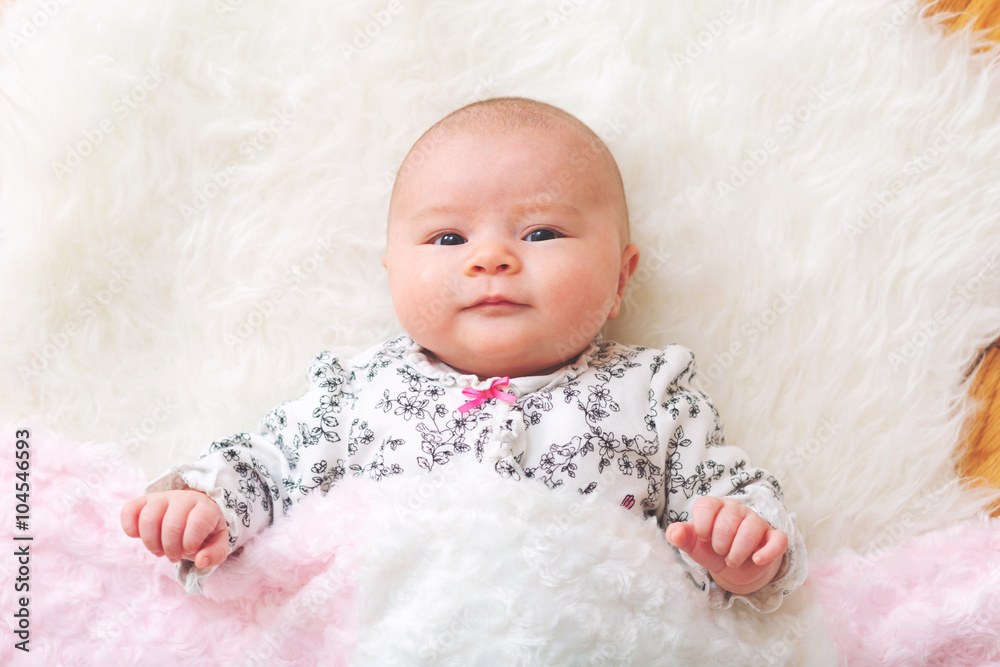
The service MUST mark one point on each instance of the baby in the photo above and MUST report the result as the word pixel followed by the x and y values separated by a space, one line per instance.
pixel 508 249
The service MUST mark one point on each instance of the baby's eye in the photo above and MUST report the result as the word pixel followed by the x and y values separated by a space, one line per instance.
pixel 542 235
pixel 449 239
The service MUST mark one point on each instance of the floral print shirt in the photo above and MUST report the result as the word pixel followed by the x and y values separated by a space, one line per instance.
pixel 621 421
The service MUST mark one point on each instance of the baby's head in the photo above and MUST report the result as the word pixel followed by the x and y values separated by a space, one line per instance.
pixel 508 243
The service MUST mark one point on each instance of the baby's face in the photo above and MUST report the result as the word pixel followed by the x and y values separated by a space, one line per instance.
pixel 505 255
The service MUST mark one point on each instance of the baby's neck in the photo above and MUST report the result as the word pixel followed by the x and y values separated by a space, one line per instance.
pixel 489 376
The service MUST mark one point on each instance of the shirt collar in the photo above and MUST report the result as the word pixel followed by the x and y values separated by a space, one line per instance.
pixel 431 367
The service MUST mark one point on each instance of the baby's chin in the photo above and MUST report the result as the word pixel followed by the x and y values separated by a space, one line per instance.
pixel 517 363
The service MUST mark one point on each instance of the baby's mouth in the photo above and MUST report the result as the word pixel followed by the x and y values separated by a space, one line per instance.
pixel 495 303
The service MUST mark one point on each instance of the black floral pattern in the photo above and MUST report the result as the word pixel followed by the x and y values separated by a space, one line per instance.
pixel 627 424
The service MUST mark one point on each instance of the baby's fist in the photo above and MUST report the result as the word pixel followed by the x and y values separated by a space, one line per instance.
pixel 178 524
pixel 740 549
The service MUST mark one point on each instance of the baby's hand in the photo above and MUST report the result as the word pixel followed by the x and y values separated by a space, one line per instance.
pixel 178 524
pixel 740 550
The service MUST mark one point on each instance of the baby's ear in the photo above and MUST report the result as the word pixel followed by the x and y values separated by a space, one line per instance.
pixel 630 260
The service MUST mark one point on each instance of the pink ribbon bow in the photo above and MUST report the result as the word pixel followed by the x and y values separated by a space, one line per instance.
pixel 479 396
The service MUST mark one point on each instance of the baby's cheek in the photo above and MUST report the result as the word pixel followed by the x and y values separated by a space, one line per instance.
pixel 405 287
pixel 410 312
pixel 582 313
pixel 595 297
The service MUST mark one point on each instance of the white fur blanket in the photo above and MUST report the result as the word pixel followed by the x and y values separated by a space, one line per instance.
pixel 192 204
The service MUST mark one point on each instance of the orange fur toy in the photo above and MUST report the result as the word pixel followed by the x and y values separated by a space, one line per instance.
pixel 981 455
pixel 985 14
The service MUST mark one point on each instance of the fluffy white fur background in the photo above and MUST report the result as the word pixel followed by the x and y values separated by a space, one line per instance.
pixel 193 200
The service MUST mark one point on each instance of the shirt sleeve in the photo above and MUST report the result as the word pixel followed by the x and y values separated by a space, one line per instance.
pixel 301 447
pixel 699 463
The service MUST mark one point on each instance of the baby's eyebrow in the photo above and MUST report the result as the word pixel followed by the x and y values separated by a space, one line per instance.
pixel 547 206
pixel 518 210
pixel 431 211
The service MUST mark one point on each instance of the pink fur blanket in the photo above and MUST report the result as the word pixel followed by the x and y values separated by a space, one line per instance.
pixel 400 574
pixel 933 599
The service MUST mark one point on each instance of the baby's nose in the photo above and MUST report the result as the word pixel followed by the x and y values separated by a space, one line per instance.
pixel 492 258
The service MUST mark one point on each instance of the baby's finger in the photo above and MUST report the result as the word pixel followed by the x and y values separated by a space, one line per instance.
pixel 703 514
pixel 682 536
pixel 202 522
pixel 775 546
pixel 172 530
pixel 748 539
pixel 214 551
pixel 728 523
pixel 130 516
pixel 150 522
